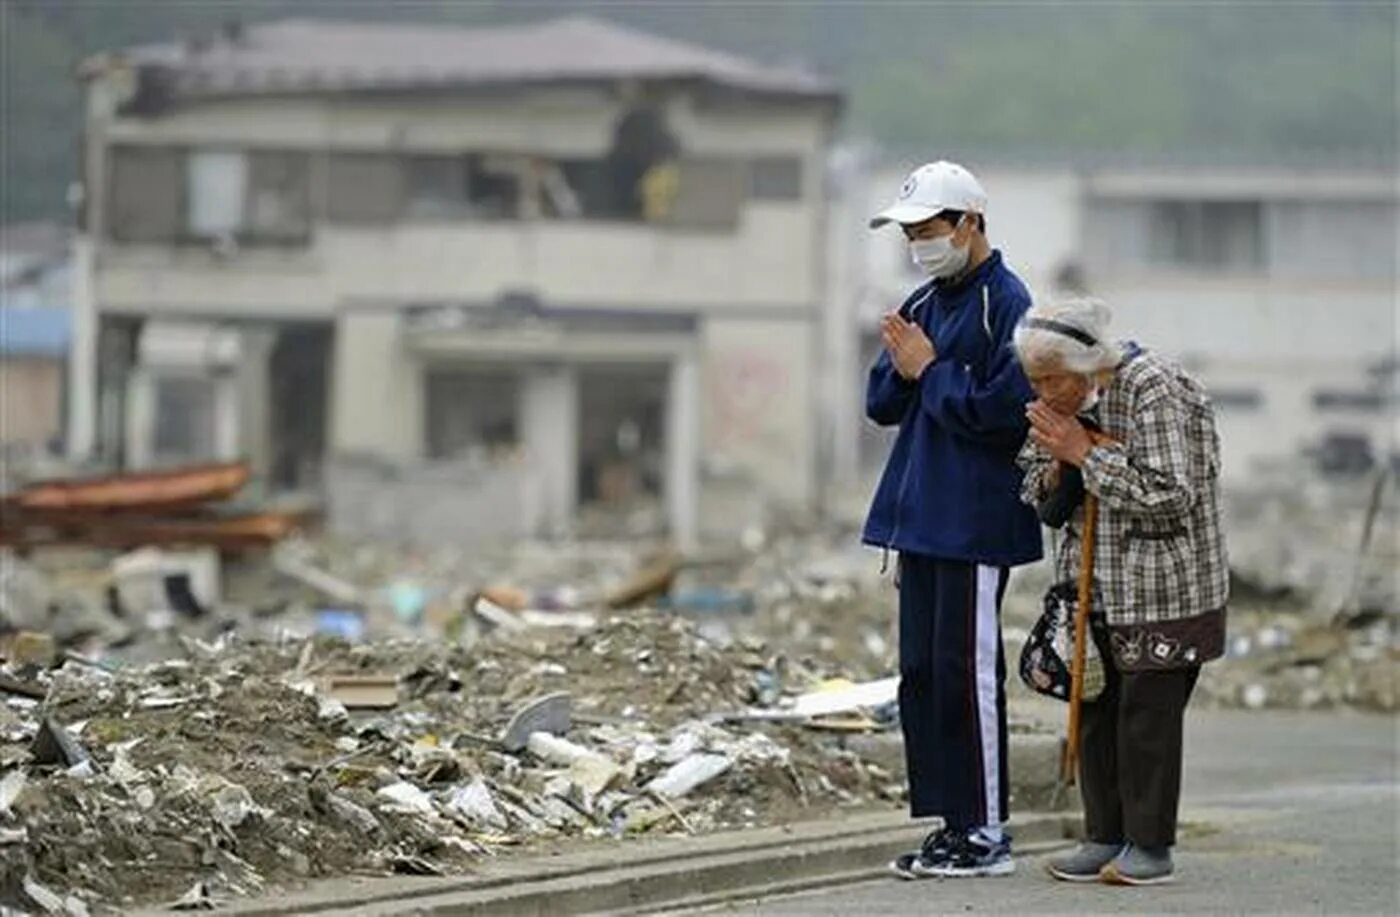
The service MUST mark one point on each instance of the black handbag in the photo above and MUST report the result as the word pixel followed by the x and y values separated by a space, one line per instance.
pixel 1045 658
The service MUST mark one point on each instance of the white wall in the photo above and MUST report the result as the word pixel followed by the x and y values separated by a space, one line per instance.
pixel 765 263
pixel 758 392
pixel 377 389
pixel 1319 311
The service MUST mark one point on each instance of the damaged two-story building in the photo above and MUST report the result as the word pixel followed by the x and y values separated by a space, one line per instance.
pixel 468 281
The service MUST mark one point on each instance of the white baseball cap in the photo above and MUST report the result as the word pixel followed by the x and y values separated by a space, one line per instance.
pixel 931 189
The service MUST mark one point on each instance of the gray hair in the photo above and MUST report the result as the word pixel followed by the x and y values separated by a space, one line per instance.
pixel 1069 333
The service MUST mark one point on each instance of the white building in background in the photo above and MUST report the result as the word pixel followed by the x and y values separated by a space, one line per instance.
pixel 590 260
pixel 1276 285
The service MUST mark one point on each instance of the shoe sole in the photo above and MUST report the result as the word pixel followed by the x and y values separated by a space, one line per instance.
pixel 1110 875
pixel 1072 877
pixel 975 872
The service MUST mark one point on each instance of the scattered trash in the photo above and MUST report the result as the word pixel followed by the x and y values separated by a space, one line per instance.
pixel 151 580
pixel 290 559
pixel 364 692
pixel 550 714
pixel 55 745
pixel 508 598
pixel 197 898
pixel 572 620
pixel 405 797
pixel 346 623
pixel 414 866
pixel 331 710
pixel 45 900
pixel 357 817
pixel 691 772
pixel 652 581
pixel 27 648
pixel 11 786
pixel 842 696
pixel 139 510
pixel 408 601
pixel 27 689
pixel 710 600
pixel 474 803
pixel 233 805
pixel 497 616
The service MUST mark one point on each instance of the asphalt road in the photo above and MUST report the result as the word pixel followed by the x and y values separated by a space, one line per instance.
pixel 1284 813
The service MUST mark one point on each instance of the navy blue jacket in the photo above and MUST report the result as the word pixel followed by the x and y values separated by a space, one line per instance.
pixel 951 488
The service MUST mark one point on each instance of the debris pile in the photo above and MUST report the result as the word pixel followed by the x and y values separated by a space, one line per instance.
pixel 138 509
pixel 1295 662
pixel 183 723
pixel 249 764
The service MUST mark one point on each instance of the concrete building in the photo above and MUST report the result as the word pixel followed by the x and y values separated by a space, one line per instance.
pixel 1276 284
pixel 483 277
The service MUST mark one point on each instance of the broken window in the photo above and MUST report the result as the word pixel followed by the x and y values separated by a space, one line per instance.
pixel 709 194
pixel 437 186
pixel 364 188
pixel 494 186
pixel 775 178
pixel 279 195
pixel 479 186
pixel 472 412
pixel 556 194
pixel 249 196
pixel 184 417
pixel 144 190
pixel 592 184
pixel 622 447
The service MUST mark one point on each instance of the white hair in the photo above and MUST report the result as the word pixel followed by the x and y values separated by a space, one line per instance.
pixel 1067 332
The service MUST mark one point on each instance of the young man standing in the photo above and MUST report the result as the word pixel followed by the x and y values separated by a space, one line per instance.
pixel 948 504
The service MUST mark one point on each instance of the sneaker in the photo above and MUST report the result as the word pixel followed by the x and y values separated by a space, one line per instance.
pixel 1084 863
pixel 1139 866
pixel 973 854
pixel 917 864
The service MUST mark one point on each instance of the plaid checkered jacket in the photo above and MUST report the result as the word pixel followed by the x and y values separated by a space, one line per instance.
pixel 1161 577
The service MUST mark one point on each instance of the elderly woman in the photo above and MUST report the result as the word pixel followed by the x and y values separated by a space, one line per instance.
pixel 1139 434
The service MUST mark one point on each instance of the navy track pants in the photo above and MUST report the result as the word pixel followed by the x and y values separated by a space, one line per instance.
pixel 952 689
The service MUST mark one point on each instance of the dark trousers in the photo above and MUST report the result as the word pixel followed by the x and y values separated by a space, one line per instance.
pixel 952 689
pixel 1130 754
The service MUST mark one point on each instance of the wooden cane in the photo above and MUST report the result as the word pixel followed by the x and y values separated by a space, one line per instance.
pixel 1081 628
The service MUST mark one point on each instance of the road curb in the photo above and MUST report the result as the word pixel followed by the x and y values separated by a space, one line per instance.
pixel 645 875
pixel 1024 852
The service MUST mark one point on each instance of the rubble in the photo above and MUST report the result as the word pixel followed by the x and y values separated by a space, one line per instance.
pixel 689 773
pixel 1284 660
pixel 340 708
pixel 56 745
pixel 552 714
pixel 223 766
pixel 361 692
pixel 177 506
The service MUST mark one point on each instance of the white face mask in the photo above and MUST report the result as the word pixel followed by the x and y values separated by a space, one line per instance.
pixel 938 257
pixel 1091 400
